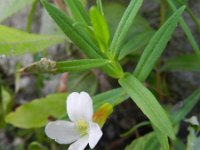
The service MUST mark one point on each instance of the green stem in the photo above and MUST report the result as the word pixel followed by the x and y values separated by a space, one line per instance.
pixel 1 98
pixel 162 12
pixel 30 16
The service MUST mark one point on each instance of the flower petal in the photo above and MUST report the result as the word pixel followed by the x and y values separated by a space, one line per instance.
pixel 79 106
pixel 95 134
pixel 63 132
pixel 80 144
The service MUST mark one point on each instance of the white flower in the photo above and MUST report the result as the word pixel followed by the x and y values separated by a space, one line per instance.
pixel 81 130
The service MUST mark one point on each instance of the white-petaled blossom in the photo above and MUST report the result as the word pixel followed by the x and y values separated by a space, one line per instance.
pixel 81 130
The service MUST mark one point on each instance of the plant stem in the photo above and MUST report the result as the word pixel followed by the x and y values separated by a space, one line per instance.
pixel 30 16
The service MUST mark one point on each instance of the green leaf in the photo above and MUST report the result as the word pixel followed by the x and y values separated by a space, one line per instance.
pixel 113 97
pixel 186 28
pixel 146 101
pixel 16 42
pixel 77 35
pixel 138 42
pixel 84 81
pixel 156 46
pixel 36 146
pixel 35 114
pixel 79 65
pixel 162 138
pixel 6 100
pixel 134 128
pixel 100 7
pixel 186 107
pixel 182 63
pixel 9 7
pixel 146 142
pixel 100 27
pixel 78 11
pixel 124 26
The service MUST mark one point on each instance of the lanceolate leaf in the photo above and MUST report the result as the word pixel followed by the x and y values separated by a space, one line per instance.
pixel 79 37
pixel 146 101
pixel 185 107
pixel 124 26
pixel 78 11
pixel 79 65
pixel 183 63
pixel 16 42
pixel 162 138
pixel 100 28
pixel 113 97
pixel 156 46
pixel 138 42
pixel 145 142
pixel 185 28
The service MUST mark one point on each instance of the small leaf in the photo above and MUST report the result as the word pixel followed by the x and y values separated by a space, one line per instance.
pixel 100 7
pixel 36 113
pixel 36 146
pixel 162 138
pixel 124 26
pixel 100 27
pixel 78 11
pixel 185 27
pixel 84 81
pixel 146 101
pixel 145 142
pixel 16 42
pixel 113 97
pixel 186 107
pixel 138 42
pixel 156 46
pixel 182 63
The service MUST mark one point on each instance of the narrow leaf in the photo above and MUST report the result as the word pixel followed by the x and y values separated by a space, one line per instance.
pixel 145 142
pixel 162 138
pixel 79 37
pixel 80 65
pixel 182 63
pixel 16 42
pixel 113 97
pixel 146 101
pixel 186 29
pixel 100 28
pixel 156 46
pixel 138 42
pixel 78 11
pixel 186 107
pixel 100 7
pixel 124 25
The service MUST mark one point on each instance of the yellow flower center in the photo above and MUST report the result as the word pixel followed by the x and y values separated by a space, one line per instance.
pixel 82 126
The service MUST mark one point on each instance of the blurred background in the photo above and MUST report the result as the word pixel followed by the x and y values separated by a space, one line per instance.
pixel 170 87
